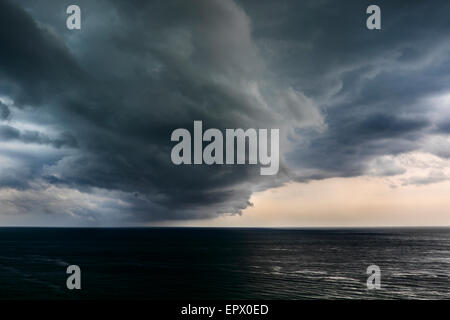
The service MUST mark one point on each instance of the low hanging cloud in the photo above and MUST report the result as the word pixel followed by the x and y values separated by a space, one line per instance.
pixel 87 114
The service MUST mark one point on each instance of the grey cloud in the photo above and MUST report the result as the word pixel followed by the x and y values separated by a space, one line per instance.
pixel 384 167
pixel 434 176
pixel 32 59
pixel 443 126
pixel 8 133
pixel 4 111
pixel 342 95
pixel 121 113
pixel 369 84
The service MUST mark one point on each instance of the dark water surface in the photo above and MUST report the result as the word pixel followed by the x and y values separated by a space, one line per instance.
pixel 190 263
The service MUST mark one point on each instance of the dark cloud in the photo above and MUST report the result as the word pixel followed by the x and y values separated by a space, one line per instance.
pixel 4 111
pixel 8 133
pixel 34 61
pixel 122 98
pixel 115 90
pixel 443 126
pixel 370 84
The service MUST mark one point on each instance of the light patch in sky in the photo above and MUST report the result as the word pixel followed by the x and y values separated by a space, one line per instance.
pixel 341 202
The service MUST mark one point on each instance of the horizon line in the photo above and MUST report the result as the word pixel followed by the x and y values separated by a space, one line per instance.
pixel 228 227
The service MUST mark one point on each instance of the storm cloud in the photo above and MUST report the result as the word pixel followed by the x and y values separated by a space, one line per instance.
pixel 86 115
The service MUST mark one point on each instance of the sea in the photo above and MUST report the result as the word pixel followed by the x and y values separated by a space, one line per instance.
pixel 224 263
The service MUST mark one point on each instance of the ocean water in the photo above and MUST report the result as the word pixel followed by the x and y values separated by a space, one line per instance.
pixel 191 263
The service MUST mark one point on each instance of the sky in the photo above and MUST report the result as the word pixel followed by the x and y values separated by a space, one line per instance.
pixel 86 115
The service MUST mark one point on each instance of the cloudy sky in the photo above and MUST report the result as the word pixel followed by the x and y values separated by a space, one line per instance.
pixel 86 115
